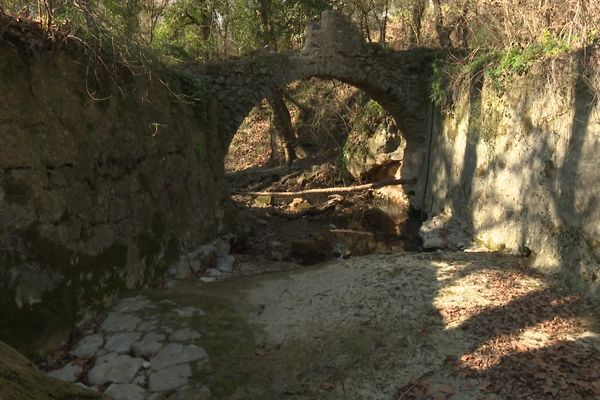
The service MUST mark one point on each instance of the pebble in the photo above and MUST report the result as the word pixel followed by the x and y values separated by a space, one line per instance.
pixel 207 279
pixel 68 373
pixel 117 322
pixel 176 353
pixel 170 378
pixel 88 346
pixel 121 342
pixel 117 368
pixel 118 391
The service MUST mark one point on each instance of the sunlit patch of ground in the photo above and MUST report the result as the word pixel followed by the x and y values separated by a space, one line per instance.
pixel 251 145
pixel 531 339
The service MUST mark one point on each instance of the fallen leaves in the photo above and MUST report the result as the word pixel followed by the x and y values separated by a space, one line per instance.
pixel 523 349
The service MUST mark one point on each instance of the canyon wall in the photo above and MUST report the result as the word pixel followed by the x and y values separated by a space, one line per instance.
pixel 516 163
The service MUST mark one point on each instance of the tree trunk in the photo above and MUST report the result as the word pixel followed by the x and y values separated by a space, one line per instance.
pixel 418 9
pixel 443 32
pixel 383 28
pixel 283 139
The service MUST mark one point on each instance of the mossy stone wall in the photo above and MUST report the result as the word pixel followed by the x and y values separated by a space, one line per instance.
pixel 100 190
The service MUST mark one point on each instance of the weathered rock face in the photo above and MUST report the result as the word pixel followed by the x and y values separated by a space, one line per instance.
pixel 521 169
pixel 95 195
pixel 380 157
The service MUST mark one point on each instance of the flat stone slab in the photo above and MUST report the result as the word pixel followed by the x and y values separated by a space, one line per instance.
pixel 170 378
pixel 133 304
pixel 176 353
pixel 149 345
pixel 117 322
pixel 184 335
pixel 125 391
pixel 121 342
pixel 68 373
pixel 117 368
pixel 88 346
pixel 189 311
pixel 148 325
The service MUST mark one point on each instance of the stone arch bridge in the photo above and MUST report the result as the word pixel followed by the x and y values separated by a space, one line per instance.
pixel 334 49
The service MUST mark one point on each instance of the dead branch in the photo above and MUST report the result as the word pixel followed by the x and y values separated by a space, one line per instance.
pixel 345 189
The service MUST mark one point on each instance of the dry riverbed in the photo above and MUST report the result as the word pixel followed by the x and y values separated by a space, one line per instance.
pixel 413 326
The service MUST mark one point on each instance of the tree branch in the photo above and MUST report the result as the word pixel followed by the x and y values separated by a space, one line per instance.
pixel 345 189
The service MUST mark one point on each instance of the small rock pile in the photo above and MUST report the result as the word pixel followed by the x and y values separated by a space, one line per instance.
pixel 211 261
pixel 143 350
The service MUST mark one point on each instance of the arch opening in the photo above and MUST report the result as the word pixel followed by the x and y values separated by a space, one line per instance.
pixel 344 137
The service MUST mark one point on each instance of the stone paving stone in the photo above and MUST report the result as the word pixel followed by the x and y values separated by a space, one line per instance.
pixel 117 368
pixel 68 373
pixel 176 353
pixel 117 322
pixel 149 345
pixel 88 346
pixel 121 342
pixel 133 304
pixel 184 335
pixel 170 378
pixel 120 391
pixel 148 325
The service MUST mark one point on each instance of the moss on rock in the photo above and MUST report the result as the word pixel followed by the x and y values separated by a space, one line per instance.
pixel 21 380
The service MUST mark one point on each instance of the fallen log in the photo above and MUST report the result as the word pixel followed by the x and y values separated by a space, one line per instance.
pixel 331 190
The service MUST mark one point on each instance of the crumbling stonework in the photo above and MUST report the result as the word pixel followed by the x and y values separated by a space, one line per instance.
pixel 334 34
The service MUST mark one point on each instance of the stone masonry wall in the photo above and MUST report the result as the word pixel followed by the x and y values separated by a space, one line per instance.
pixel 519 166
pixel 102 184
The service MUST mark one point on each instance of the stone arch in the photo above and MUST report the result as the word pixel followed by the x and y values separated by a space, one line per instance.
pixel 398 80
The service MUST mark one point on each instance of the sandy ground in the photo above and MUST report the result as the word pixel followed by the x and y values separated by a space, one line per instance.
pixel 414 326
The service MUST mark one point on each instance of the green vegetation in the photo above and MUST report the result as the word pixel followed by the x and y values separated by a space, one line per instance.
pixel 497 65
